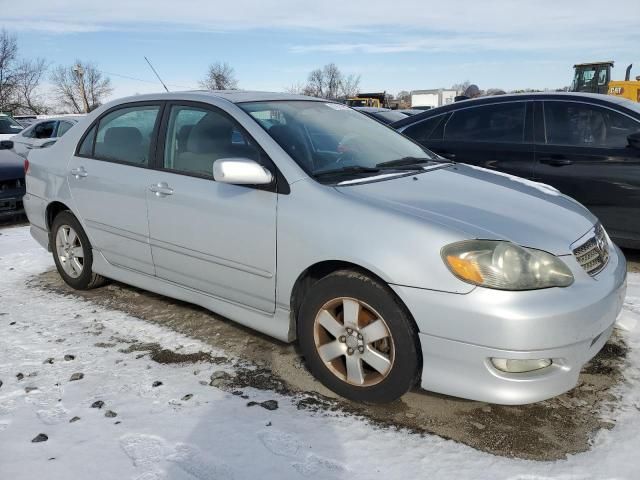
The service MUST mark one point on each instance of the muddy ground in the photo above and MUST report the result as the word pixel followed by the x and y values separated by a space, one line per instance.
pixel 543 431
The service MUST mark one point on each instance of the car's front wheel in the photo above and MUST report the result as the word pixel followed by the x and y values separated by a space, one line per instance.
pixel 358 339
pixel 72 253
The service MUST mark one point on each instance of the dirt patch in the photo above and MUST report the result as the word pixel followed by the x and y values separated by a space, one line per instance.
pixel 166 357
pixel 546 430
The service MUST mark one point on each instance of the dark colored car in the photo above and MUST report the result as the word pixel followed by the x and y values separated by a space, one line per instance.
pixel 12 187
pixel 384 115
pixel 585 145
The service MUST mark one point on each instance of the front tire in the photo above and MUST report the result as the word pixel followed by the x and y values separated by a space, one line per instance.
pixel 358 339
pixel 72 253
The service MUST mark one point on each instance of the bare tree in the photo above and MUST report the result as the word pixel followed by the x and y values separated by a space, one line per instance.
pixel 8 57
pixel 30 74
pixel 20 79
pixel 81 87
pixel 220 76
pixel 350 86
pixel 329 82
pixel 461 87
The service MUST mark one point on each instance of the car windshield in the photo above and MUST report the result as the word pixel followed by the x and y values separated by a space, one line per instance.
pixel 8 125
pixel 330 140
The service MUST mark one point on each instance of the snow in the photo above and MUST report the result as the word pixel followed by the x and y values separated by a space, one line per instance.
pixel 214 435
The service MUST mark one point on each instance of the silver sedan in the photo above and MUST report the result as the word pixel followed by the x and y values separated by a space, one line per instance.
pixel 308 221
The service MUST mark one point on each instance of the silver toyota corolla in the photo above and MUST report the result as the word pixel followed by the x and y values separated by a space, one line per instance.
pixel 306 220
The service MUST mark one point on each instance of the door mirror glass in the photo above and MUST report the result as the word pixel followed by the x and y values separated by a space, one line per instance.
pixel 6 145
pixel 634 140
pixel 241 171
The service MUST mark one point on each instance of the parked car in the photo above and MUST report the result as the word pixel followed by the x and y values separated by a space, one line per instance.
pixel 587 146
pixel 42 134
pixel 386 263
pixel 8 127
pixel 12 186
pixel 384 115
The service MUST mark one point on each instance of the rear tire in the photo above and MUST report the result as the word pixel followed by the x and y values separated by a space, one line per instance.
pixel 72 253
pixel 358 339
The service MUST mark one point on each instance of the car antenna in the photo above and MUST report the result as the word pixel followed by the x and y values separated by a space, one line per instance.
pixel 154 71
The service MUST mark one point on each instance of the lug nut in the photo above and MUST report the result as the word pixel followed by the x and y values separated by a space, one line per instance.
pixel 361 349
pixel 350 351
pixel 349 331
pixel 359 336
pixel 343 338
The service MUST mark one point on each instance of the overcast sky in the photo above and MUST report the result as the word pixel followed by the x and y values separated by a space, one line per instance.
pixel 394 45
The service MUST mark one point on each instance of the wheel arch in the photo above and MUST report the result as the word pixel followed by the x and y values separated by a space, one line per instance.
pixel 52 210
pixel 321 269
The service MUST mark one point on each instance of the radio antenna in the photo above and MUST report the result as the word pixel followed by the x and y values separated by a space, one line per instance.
pixel 154 71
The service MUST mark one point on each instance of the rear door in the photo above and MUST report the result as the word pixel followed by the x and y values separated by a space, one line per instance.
pixel 583 151
pixel 108 177
pixel 496 136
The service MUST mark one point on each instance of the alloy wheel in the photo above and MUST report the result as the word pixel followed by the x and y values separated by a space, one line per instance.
pixel 70 251
pixel 353 341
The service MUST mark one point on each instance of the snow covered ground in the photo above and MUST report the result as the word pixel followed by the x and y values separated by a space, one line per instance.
pixel 186 429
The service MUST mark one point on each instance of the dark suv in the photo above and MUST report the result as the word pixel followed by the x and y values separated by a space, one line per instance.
pixel 585 145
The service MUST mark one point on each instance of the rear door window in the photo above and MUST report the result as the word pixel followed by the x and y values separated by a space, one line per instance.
pixel 502 122
pixel 586 125
pixel 126 135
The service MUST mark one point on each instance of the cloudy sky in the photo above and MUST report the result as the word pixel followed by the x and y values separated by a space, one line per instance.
pixel 394 45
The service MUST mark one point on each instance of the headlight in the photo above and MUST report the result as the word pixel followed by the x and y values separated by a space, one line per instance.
pixel 505 266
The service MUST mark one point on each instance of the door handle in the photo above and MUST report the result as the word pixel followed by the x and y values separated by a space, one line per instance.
pixel 556 161
pixel 79 172
pixel 161 189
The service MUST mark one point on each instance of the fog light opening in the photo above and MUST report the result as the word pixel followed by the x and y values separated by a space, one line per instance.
pixel 511 365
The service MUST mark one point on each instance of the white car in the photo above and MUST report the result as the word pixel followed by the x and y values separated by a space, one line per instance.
pixel 42 134
pixel 8 127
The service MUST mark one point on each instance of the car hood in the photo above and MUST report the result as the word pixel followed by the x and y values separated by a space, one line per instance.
pixel 11 165
pixel 480 203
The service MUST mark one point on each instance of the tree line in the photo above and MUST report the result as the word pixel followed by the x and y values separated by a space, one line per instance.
pixel 77 88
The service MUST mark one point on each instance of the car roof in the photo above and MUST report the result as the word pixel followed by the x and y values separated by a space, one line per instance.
pixel 592 97
pixel 54 118
pixel 233 96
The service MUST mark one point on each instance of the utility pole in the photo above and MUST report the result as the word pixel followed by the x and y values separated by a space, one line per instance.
pixel 79 71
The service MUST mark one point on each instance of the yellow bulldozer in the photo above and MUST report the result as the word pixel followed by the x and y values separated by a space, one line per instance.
pixel 595 77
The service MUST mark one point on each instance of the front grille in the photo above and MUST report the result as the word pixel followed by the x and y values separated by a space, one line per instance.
pixel 593 254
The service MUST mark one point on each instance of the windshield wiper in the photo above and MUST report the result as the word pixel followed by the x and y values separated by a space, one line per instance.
pixel 352 169
pixel 411 162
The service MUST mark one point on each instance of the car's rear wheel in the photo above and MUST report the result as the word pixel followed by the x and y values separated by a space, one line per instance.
pixel 72 253
pixel 358 339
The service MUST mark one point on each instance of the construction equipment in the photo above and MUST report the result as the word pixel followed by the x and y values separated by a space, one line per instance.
pixel 595 77
pixel 378 100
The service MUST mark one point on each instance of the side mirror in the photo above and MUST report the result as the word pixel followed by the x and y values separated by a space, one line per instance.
pixel 634 140
pixel 241 171
pixel 6 145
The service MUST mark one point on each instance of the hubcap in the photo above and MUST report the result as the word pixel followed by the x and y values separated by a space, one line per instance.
pixel 69 250
pixel 353 341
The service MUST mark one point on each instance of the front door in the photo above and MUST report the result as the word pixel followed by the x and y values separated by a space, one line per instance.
pixel 496 136
pixel 108 178
pixel 216 238
pixel 585 154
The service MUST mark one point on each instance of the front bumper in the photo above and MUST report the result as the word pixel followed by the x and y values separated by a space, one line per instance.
pixel 459 334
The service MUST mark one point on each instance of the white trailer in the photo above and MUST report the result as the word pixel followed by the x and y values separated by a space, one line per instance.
pixel 433 98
